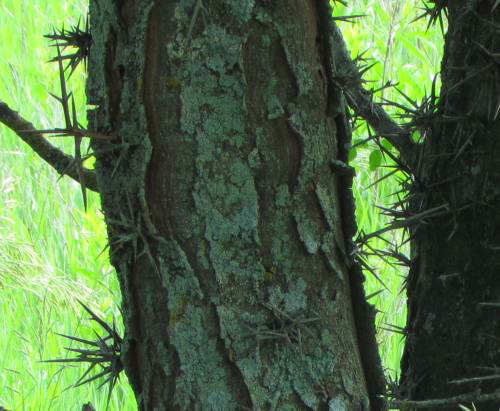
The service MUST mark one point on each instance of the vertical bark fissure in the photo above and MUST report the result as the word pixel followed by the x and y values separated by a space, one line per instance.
pixel 222 209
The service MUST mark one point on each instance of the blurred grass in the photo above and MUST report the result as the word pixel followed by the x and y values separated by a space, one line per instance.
pixel 49 247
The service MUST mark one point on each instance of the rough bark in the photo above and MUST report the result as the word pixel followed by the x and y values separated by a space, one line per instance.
pixel 228 229
pixel 453 323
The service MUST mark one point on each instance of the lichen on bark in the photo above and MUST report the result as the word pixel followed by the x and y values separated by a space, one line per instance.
pixel 223 215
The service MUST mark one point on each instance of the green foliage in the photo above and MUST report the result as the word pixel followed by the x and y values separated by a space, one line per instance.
pixel 375 159
pixel 49 247
pixel 352 154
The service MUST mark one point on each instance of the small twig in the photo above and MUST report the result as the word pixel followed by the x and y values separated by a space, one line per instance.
pixel 71 123
pixel 61 162
pixel 71 132
pixel 490 304
pixel 475 379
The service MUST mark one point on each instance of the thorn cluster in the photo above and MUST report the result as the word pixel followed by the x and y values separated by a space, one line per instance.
pixel 282 327
pixel 421 115
pixel 106 353
pixel 434 9
pixel 72 127
pixel 75 38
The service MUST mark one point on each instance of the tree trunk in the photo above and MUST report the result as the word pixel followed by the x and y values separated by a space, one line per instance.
pixel 228 228
pixel 453 323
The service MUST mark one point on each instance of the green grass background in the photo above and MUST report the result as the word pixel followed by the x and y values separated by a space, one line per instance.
pixel 50 247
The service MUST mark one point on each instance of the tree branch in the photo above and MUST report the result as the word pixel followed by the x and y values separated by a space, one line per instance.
pixel 360 100
pixel 63 163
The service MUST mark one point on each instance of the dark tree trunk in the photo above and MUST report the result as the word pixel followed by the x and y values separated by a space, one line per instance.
pixel 453 325
pixel 228 229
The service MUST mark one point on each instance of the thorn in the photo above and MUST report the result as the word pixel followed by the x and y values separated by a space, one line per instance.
pixel 374 294
pixel 78 156
pixel 104 353
pixel 348 19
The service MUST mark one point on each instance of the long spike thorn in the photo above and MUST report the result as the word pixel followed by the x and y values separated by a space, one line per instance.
pixel 63 360
pixel 347 19
pixel 372 271
pixel 374 294
pixel 82 340
pixel 102 323
pixel 78 154
pixel 110 389
pixel 94 377
pixel 109 370
pixel 64 94
pixel 87 371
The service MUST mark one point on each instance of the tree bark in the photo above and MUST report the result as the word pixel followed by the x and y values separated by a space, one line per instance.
pixel 228 229
pixel 453 323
